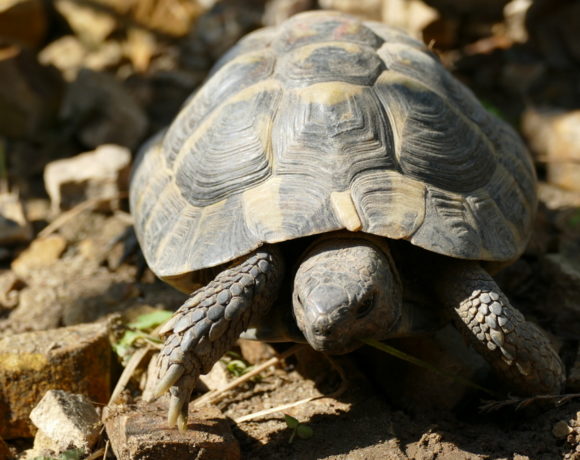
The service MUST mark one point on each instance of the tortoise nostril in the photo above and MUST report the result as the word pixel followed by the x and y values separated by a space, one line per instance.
pixel 322 328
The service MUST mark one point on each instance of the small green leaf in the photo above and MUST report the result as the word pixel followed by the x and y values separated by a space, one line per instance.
pixel 304 431
pixel 237 367
pixel 574 220
pixel 73 454
pixel 151 320
pixel 291 421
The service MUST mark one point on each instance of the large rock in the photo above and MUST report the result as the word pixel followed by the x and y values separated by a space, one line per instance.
pixel 555 136
pixel 65 421
pixel 98 175
pixel 92 25
pixel 23 22
pixel 14 228
pixel 75 359
pixel 554 29
pixel 41 253
pixel 140 431
pixel 103 111
pixel 30 93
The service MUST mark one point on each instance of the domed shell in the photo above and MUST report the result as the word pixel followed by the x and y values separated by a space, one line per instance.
pixel 322 124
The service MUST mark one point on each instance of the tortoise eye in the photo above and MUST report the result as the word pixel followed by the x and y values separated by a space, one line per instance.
pixel 366 306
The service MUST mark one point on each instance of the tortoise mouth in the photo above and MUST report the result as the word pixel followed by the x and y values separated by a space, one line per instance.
pixel 333 346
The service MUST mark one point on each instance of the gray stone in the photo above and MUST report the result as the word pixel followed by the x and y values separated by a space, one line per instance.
pixel 97 175
pixel 65 421
pixel 140 431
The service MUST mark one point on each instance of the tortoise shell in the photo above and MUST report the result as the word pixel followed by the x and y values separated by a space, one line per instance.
pixel 327 123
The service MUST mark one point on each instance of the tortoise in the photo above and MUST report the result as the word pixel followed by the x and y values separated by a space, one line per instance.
pixel 317 158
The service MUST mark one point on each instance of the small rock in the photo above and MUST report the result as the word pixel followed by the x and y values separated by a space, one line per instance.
pixel 140 432
pixel 369 9
pixel 42 252
pixel 561 429
pixel 102 111
pixel 514 14
pixel 411 15
pixel 30 93
pixel 555 136
pixel 66 420
pixel 75 359
pixel 92 25
pixel 23 22
pixel 69 55
pixel 277 11
pixel 65 53
pixel 217 378
pixel 14 228
pixel 10 285
pixel 256 352
pixel 100 174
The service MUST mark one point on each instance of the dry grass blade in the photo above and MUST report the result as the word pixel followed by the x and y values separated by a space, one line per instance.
pixel 97 454
pixel 520 403
pixel 425 365
pixel 283 407
pixel 128 372
pixel 341 389
pixel 215 395
pixel 74 212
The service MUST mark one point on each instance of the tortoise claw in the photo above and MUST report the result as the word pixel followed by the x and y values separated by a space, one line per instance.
pixel 178 404
pixel 168 380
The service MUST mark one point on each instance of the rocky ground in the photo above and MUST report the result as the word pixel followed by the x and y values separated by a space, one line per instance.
pixel 84 83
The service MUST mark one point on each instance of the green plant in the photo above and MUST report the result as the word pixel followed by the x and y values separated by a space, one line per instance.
pixel 72 454
pixel 235 365
pixel 139 330
pixel 298 429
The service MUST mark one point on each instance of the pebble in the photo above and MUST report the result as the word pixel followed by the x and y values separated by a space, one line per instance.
pixel 65 420
pixel 561 429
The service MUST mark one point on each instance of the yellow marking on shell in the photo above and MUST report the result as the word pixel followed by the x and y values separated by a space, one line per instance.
pixel 406 206
pixel 391 77
pixel 248 58
pixel 262 210
pixel 254 90
pixel 329 93
pixel 300 55
pixel 345 210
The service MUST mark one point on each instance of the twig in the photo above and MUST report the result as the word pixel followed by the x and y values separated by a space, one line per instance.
pixel 128 372
pixel 272 410
pixel 74 212
pixel 341 389
pixel 425 365
pixel 520 403
pixel 215 395
pixel 106 449
pixel 96 454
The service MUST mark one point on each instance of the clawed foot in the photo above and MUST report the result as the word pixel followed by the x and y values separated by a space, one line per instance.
pixel 208 324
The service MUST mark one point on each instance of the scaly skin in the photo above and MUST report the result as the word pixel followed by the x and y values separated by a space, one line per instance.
pixel 210 321
pixel 519 352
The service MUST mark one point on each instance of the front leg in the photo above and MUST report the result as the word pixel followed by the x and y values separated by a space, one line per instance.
pixel 210 321
pixel 519 351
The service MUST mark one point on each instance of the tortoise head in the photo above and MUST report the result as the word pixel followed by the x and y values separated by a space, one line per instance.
pixel 346 289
